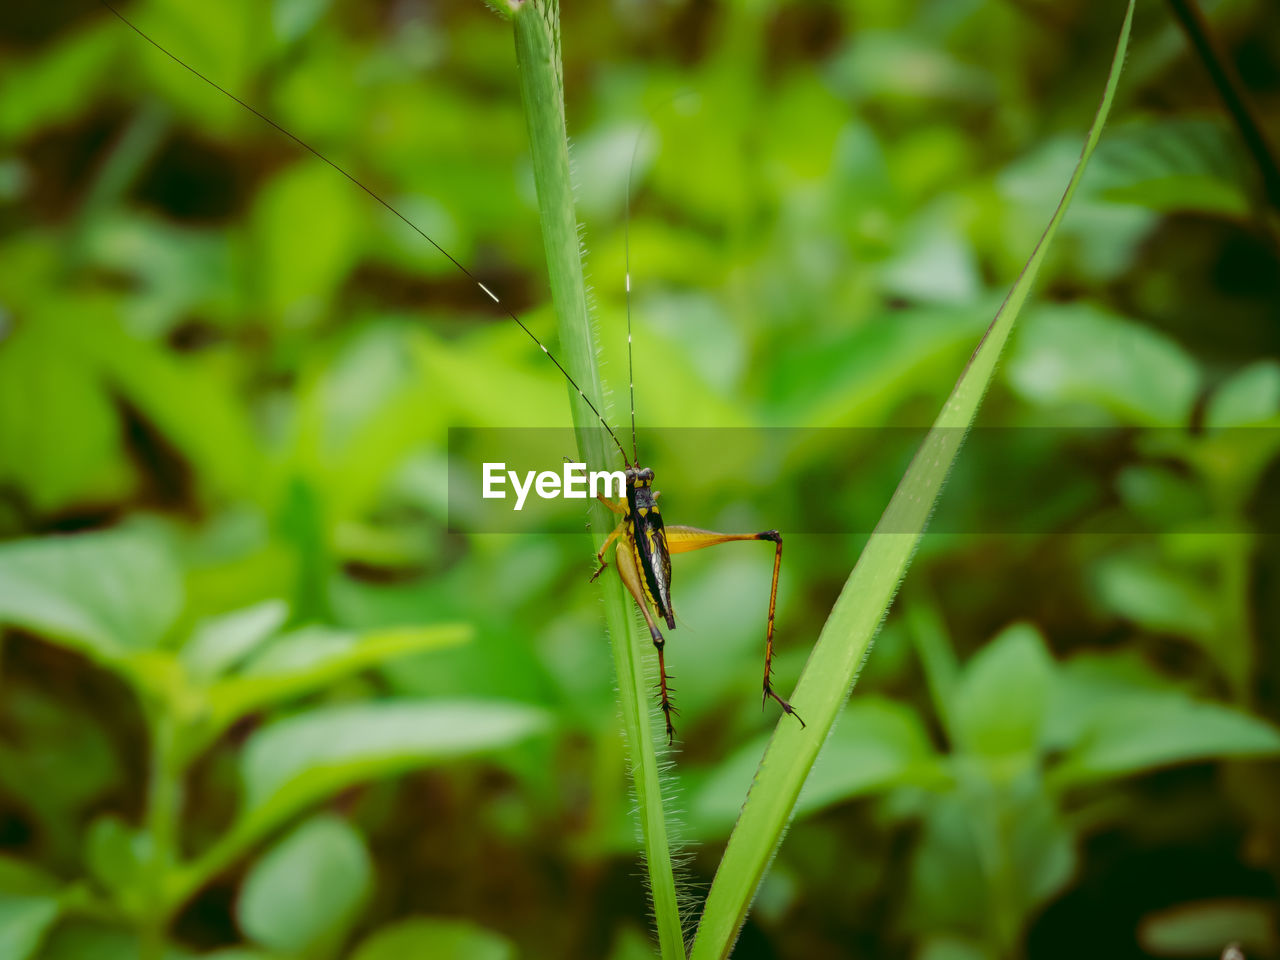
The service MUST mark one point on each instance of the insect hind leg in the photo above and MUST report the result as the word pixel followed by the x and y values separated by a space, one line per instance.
pixel 630 575
pixel 681 539
pixel 776 539
pixel 664 688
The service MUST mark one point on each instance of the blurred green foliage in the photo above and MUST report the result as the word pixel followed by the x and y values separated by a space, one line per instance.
pixel 257 701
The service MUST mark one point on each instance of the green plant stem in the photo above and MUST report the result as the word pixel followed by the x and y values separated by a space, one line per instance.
pixel 1232 92
pixel 937 657
pixel 537 40
pixel 1234 555
pixel 164 807
pixel 229 848
pixel 128 155
pixel 846 637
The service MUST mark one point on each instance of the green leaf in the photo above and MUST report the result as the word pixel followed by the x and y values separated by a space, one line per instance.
pixel 116 855
pixel 1000 701
pixel 371 408
pixel 315 657
pixel 219 643
pixel 948 887
pixel 56 760
pixel 107 594
pixel 882 63
pixel 1113 715
pixel 1077 354
pixel 436 938
pixel 937 264
pixel 293 18
pixel 313 647
pixel 1041 846
pixel 90 940
pixel 860 375
pixel 1202 927
pixel 879 744
pixel 1162 497
pixel 48 90
pixel 1151 593
pixel 19 878
pixel 631 944
pixel 1090 685
pixel 1250 396
pixel 1145 732
pixel 1101 239
pixel 41 370
pixel 24 921
pixel 294 763
pixel 305 199
pixel 952 948
pixel 316 753
pixel 192 409
pixel 174 273
pixel 988 855
pixel 1173 164
pixel 75 361
pixel 227 43
pixel 304 893
pixel 867 595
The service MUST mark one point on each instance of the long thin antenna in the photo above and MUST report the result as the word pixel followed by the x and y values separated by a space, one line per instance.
pixel 626 245
pixel 412 226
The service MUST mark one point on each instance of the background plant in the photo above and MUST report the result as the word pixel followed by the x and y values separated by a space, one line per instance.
pixel 213 344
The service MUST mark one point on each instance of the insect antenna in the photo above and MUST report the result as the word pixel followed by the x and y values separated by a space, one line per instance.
pixel 626 246
pixel 388 206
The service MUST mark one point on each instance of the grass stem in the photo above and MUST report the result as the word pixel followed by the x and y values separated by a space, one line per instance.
pixel 537 37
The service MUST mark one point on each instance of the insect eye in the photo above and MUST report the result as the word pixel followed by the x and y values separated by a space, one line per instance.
pixel 646 474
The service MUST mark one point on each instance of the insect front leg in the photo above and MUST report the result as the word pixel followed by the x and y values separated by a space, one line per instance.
pixel 686 539
pixel 630 574
pixel 617 531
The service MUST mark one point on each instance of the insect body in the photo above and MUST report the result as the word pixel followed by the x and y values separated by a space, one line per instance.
pixel 644 544
pixel 643 556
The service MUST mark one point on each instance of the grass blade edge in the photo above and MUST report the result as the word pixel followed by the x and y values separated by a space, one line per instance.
pixel 846 637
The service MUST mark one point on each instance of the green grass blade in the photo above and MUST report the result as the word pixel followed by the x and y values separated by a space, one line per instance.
pixel 867 595
pixel 537 32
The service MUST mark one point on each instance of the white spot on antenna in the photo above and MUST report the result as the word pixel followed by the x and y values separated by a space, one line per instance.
pixel 491 294
pixel 628 339
pixel 543 346
pixel 628 283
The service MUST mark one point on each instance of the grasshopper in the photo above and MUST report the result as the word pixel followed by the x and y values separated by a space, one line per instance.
pixel 642 543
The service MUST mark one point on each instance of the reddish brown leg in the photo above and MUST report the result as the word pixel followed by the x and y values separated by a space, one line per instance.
pixel 685 539
pixel 631 577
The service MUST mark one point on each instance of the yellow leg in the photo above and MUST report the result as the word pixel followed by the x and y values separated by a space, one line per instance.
pixel 686 539
pixel 630 574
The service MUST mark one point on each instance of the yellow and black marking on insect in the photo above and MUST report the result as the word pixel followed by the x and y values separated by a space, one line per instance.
pixel 644 543
pixel 643 557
